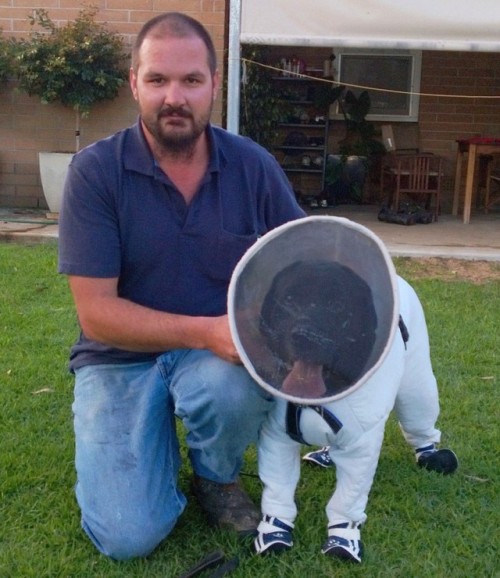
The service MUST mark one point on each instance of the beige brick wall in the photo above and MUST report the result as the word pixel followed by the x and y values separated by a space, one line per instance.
pixel 468 75
pixel 445 118
pixel 26 126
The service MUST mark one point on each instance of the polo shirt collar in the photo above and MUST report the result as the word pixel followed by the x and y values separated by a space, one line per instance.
pixel 137 155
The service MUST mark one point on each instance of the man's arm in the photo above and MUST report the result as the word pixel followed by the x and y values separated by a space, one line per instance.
pixel 107 318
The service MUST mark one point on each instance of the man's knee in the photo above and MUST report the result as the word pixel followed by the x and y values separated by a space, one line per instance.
pixel 128 547
pixel 127 541
pixel 232 391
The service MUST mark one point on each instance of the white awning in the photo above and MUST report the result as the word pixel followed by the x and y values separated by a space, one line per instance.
pixel 419 24
pixel 458 25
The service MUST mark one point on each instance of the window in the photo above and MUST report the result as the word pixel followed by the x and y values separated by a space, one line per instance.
pixel 394 73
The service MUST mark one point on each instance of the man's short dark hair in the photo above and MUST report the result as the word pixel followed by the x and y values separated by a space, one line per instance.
pixel 175 24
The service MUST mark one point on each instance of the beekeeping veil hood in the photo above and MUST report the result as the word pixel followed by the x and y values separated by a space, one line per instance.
pixel 313 307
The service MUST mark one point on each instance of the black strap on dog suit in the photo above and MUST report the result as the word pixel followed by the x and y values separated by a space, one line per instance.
pixel 404 331
pixel 293 413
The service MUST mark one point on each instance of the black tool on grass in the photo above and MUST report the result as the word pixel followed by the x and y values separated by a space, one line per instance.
pixel 216 559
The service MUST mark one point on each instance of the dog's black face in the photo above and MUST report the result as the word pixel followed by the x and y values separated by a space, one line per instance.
pixel 318 318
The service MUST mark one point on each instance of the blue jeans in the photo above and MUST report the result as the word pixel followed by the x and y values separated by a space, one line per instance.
pixel 127 452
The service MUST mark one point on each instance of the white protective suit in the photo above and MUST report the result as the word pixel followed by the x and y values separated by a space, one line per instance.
pixel 404 381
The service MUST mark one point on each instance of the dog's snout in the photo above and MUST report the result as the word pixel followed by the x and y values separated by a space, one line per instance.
pixel 311 344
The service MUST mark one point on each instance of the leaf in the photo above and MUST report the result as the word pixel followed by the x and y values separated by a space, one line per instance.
pixel 43 390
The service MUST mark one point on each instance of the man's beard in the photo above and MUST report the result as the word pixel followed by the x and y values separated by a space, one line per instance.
pixel 182 142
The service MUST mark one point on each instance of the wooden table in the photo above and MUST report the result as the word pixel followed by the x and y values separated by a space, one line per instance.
pixel 473 147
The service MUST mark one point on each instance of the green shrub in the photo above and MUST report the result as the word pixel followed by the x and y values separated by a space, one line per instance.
pixel 77 64
pixel 7 57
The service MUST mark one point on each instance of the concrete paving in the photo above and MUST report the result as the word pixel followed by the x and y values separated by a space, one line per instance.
pixel 448 238
pixel 28 226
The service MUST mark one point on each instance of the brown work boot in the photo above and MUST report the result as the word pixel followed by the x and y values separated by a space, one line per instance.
pixel 227 505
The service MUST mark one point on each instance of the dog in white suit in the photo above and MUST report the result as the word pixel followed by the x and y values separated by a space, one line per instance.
pixel 314 308
pixel 352 429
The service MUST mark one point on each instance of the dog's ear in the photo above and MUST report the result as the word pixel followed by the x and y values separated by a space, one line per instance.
pixel 279 284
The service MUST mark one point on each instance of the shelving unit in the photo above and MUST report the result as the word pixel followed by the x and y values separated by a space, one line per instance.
pixel 303 138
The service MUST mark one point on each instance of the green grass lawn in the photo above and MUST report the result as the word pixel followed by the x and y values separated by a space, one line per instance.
pixel 419 524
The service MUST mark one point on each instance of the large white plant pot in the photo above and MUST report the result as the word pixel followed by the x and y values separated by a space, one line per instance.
pixel 53 169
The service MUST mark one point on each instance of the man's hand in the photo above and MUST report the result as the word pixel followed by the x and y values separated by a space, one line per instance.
pixel 220 340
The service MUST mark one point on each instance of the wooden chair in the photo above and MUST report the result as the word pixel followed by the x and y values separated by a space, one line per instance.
pixel 417 176
pixel 492 180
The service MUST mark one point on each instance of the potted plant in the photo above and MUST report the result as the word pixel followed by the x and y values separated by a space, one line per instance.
pixel 261 106
pixel 347 171
pixel 77 65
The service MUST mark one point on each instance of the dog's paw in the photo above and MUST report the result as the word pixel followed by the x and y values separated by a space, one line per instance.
pixel 274 535
pixel 344 542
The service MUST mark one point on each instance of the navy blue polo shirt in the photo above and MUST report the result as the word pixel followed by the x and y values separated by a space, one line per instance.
pixel 122 217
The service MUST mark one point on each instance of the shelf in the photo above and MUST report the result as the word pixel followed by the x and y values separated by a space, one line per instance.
pixel 302 125
pixel 299 96
pixel 311 148
pixel 301 169
pixel 295 101
pixel 297 78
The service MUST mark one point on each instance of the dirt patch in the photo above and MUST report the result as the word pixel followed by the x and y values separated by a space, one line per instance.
pixel 453 269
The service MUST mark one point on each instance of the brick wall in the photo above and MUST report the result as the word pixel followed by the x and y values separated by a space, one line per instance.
pixel 443 118
pixel 26 126
pixel 468 75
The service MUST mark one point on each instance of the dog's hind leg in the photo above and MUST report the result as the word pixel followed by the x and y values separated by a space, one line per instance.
pixel 356 465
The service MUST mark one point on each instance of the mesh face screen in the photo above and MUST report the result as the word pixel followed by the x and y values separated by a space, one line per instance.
pixel 313 307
